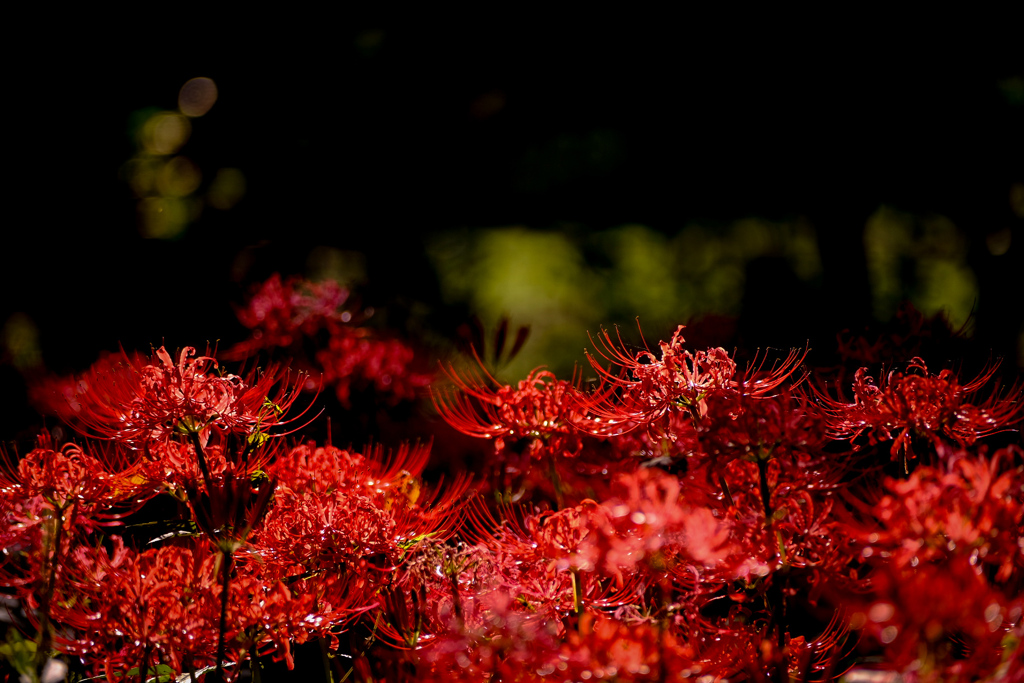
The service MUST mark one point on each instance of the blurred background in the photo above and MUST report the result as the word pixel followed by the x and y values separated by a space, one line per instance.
pixel 778 185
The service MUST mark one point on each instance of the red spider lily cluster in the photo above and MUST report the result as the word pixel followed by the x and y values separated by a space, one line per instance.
pixel 681 516
pixel 348 355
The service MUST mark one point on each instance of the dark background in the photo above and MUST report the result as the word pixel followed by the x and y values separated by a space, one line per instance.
pixel 373 135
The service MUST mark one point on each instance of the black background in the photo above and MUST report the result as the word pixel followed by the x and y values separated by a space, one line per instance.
pixel 372 134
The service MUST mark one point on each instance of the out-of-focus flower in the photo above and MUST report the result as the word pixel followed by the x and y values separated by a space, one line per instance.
pixel 356 359
pixel 281 313
pixel 351 356
pixel 927 634
pixel 973 506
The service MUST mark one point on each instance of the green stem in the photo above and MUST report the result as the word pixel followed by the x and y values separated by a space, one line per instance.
pixel 762 469
pixel 577 590
pixel 144 667
pixel 556 482
pixel 201 458
pixel 725 491
pixel 44 639
pixel 254 665
pixel 227 561
pixel 326 659
pixel 456 598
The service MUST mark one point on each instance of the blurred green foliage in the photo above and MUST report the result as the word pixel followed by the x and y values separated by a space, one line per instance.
pixel 923 258
pixel 564 285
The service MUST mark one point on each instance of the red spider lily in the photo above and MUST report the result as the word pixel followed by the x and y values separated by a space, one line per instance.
pixel 782 432
pixel 556 539
pixel 325 468
pixel 531 422
pixel 406 624
pixel 639 388
pixel 742 426
pixel 176 465
pixel 972 507
pixel 653 524
pixel 338 599
pixel 804 548
pixel 638 651
pixel 356 359
pixel 570 481
pixel 267 617
pixel 685 519
pixel 926 633
pixel 808 536
pixel 54 395
pixel 161 605
pixel 537 408
pixel 500 642
pixel 431 599
pixel 280 313
pixel 135 402
pixel 137 609
pixel 338 509
pixel 604 647
pixel 520 647
pixel 553 559
pixel 916 403
pixel 796 530
pixel 70 475
pixel 788 657
pixel 644 525
pixel 228 508
pixel 52 501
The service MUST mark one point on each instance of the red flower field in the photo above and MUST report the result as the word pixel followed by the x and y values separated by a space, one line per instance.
pixel 668 514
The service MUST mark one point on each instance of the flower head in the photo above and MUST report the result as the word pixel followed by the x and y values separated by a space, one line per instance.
pixel 537 408
pixel 917 403
pixel 640 388
pixel 137 401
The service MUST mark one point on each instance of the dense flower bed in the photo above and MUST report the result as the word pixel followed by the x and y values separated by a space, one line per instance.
pixel 680 516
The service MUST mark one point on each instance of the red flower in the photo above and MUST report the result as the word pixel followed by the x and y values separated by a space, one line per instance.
pixel 72 475
pixel 228 508
pixel 938 622
pixel 136 402
pixel 126 607
pixel 334 509
pixel 606 647
pixel 973 506
pixel 162 605
pixel 654 524
pixel 917 403
pixel 538 409
pixel 645 388
pixel 281 313
pixel 356 359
